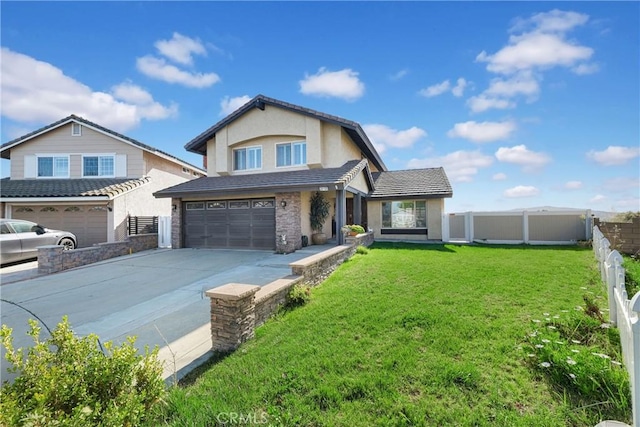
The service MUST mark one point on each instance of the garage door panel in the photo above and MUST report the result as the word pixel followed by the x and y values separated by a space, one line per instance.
pixel 87 222
pixel 231 224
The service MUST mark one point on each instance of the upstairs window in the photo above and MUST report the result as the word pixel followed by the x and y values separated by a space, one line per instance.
pixel 249 158
pixel 98 166
pixel 53 167
pixel 76 129
pixel 405 214
pixel 291 154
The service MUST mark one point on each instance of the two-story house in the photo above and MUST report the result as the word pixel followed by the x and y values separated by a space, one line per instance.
pixel 266 159
pixel 78 176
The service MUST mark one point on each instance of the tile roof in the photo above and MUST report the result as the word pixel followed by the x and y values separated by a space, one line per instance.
pixel 431 182
pixel 4 148
pixel 110 187
pixel 353 129
pixel 281 181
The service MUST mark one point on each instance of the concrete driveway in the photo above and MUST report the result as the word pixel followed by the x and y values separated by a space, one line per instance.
pixel 156 295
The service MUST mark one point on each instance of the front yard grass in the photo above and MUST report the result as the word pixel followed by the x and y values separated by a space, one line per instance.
pixel 408 334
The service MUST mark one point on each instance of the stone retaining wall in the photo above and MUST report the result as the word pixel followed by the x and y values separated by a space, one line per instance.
pixel 53 258
pixel 237 309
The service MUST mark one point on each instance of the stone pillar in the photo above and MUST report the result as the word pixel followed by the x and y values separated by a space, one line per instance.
pixel 233 317
pixel 50 259
pixel 176 223
pixel 341 214
pixel 288 222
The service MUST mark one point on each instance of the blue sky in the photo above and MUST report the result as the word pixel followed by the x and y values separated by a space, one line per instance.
pixel 523 103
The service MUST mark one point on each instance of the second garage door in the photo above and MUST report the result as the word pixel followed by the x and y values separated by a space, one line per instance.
pixel 230 224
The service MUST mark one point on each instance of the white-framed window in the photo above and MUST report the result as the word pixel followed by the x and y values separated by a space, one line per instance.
pixel 404 214
pixel 52 166
pixel 291 154
pixel 249 158
pixel 76 129
pixel 102 165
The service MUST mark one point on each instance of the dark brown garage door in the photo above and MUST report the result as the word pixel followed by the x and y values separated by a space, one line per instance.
pixel 87 222
pixel 230 224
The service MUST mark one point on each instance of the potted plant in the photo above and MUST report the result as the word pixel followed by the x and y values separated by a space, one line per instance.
pixel 318 214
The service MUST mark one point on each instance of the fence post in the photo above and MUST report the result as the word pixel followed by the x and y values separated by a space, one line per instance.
pixel 611 269
pixel 525 226
pixel 446 230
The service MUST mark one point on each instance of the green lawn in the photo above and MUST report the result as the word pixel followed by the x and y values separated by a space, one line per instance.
pixel 406 335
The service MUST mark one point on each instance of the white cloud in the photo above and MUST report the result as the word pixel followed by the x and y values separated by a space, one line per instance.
pixel 181 48
pixel 229 105
pixel 383 136
pixel 482 132
pixel 583 69
pixel 553 21
pixel 436 89
pixel 599 198
pixel 460 166
pixel 614 155
pixel 499 176
pixel 481 103
pixel 573 185
pixel 458 90
pixel 158 68
pixel 521 191
pixel 343 84
pixel 520 155
pixel 535 50
pixel 399 75
pixel 520 84
pixel 34 91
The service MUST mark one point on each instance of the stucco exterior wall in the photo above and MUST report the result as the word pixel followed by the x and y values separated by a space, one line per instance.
pixel 435 208
pixel 327 144
pixel 60 141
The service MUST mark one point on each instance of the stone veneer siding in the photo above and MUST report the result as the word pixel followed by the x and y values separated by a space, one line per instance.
pixel 176 223
pixel 232 315
pixel 288 223
pixel 53 258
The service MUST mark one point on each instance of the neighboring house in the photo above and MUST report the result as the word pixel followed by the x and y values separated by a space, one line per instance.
pixel 78 176
pixel 267 158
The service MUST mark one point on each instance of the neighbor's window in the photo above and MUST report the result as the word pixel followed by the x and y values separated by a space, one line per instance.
pixel 53 167
pixel 405 214
pixel 247 158
pixel 98 166
pixel 291 154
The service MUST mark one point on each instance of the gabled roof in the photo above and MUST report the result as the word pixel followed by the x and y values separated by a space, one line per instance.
pixel 300 180
pixel 7 146
pixel 354 130
pixel 419 183
pixel 87 187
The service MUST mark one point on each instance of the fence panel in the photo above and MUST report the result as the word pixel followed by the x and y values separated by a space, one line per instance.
pixel 142 225
pixel 622 312
pixel 516 227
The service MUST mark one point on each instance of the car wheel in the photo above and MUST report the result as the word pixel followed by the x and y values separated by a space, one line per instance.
pixel 67 244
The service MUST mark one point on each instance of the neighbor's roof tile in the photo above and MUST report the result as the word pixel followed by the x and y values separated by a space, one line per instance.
pixel 111 187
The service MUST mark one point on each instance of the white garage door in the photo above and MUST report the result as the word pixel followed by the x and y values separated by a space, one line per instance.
pixel 87 222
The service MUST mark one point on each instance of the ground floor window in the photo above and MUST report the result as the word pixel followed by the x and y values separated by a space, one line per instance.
pixel 404 214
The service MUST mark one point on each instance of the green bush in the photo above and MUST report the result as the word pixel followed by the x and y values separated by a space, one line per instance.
pixel 298 295
pixel 69 381
pixel 362 250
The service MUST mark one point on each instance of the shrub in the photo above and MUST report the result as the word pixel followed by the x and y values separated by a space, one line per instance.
pixel 69 380
pixel 362 250
pixel 298 295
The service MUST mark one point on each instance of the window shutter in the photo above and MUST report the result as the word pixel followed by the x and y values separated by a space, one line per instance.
pixel 121 165
pixel 30 166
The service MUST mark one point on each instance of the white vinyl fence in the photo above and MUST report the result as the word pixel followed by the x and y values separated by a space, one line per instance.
pixel 517 227
pixel 164 232
pixel 622 312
